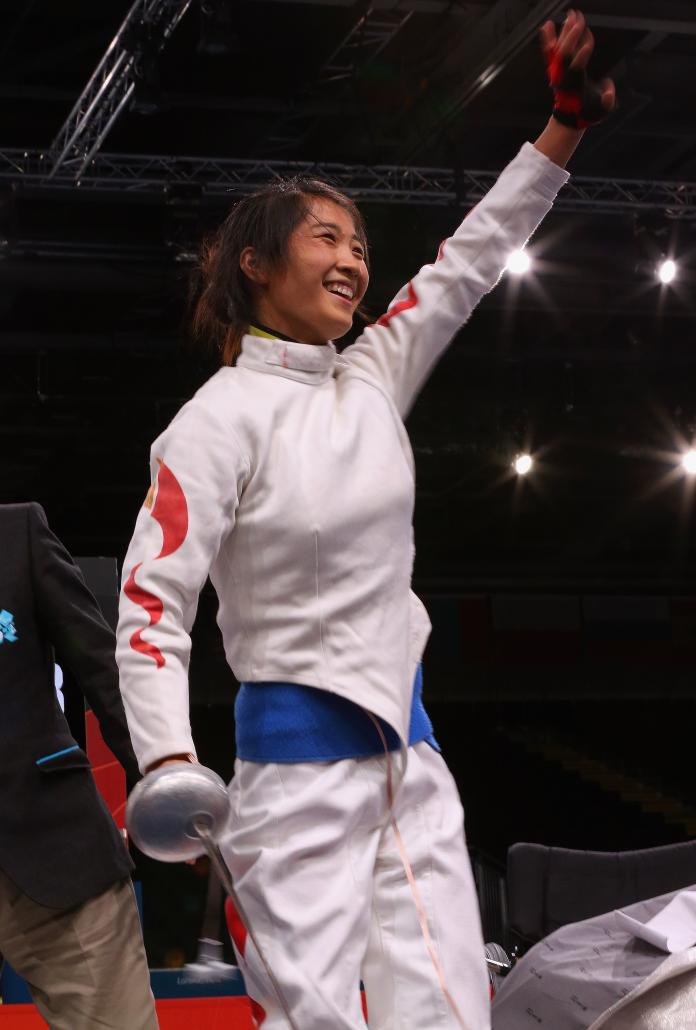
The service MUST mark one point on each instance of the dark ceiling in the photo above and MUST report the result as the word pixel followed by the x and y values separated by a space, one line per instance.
pixel 589 362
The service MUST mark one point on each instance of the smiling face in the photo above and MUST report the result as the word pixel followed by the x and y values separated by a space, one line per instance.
pixel 313 296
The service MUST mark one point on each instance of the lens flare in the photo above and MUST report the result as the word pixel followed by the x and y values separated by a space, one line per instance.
pixel 689 463
pixel 523 464
pixel 518 262
pixel 667 271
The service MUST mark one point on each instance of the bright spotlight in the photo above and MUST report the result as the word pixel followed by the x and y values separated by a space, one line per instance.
pixel 523 463
pixel 689 463
pixel 667 271
pixel 518 262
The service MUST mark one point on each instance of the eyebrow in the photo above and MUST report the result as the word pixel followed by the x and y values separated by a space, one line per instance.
pixel 332 225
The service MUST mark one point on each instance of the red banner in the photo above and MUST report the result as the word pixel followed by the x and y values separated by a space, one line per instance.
pixel 172 1013
pixel 107 771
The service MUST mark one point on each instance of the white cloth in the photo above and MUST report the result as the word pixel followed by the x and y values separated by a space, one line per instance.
pixel 672 929
pixel 665 1000
pixel 319 875
pixel 594 974
pixel 289 479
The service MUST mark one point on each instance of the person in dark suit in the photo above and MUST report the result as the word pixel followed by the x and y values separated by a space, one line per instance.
pixel 68 918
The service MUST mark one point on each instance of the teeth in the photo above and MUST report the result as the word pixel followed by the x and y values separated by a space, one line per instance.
pixel 344 291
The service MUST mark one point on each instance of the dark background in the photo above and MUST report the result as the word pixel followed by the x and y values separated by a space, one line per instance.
pixel 560 672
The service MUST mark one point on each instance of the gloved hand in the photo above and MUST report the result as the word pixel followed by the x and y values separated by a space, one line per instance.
pixel 578 100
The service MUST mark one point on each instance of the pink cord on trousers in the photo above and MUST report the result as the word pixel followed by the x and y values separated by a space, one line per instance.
pixel 422 918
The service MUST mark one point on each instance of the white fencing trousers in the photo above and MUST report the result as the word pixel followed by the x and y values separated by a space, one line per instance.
pixel 317 870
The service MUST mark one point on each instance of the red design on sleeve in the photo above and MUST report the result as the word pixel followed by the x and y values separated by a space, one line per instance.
pixel 412 299
pixel 403 305
pixel 171 512
pixel 154 608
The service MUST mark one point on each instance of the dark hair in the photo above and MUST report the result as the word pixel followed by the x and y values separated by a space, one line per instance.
pixel 222 298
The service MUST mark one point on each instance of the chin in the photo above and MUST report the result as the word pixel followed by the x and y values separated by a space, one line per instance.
pixel 340 329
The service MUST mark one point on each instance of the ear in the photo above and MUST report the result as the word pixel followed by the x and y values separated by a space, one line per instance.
pixel 250 266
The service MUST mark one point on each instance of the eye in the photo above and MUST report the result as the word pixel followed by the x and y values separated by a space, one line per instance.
pixel 359 253
pixel 328 236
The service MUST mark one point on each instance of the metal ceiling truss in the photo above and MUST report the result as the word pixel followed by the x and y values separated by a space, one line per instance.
pixel 631 22
pixel 144 32
pixel 633 101
pixel 152 175
pixel 363 43
pixel 368 37
pixel 479 57
pixel 634 23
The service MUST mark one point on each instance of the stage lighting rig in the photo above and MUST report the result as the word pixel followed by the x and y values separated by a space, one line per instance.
pixel 667 271
pixel 688 462
pixel 218 34
pixel 8 218
pixel 519 262
pixel 182 228
pixel 143 43
pixel 523 464
pixel 657 240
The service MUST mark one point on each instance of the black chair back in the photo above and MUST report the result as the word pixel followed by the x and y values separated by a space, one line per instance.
pixel 550 887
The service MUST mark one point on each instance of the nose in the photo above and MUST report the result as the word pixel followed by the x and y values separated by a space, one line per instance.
pixel 349 261
pixel 351 265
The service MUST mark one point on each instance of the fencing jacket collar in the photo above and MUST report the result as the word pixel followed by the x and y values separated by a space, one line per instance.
pixel 303 362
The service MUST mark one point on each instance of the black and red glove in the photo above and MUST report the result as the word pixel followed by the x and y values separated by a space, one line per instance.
pixel 578 99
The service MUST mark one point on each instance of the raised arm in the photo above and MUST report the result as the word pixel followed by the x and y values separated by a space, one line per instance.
pixel 197 477
pixel 401 348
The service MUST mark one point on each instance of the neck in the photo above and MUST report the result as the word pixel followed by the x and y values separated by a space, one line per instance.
pixel 259 329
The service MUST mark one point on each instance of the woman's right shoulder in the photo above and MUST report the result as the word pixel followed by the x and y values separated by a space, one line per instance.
pixel 220 400
pixel 213 397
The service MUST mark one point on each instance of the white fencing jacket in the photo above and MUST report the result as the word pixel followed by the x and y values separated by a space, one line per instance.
pixel 289 479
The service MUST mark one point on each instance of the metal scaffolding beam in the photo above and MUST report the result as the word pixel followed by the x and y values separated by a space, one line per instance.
pixel 479 57
pixel 632 22
pixel 365 41
pixel 367 38
pixel 143 33
pixel 230 178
